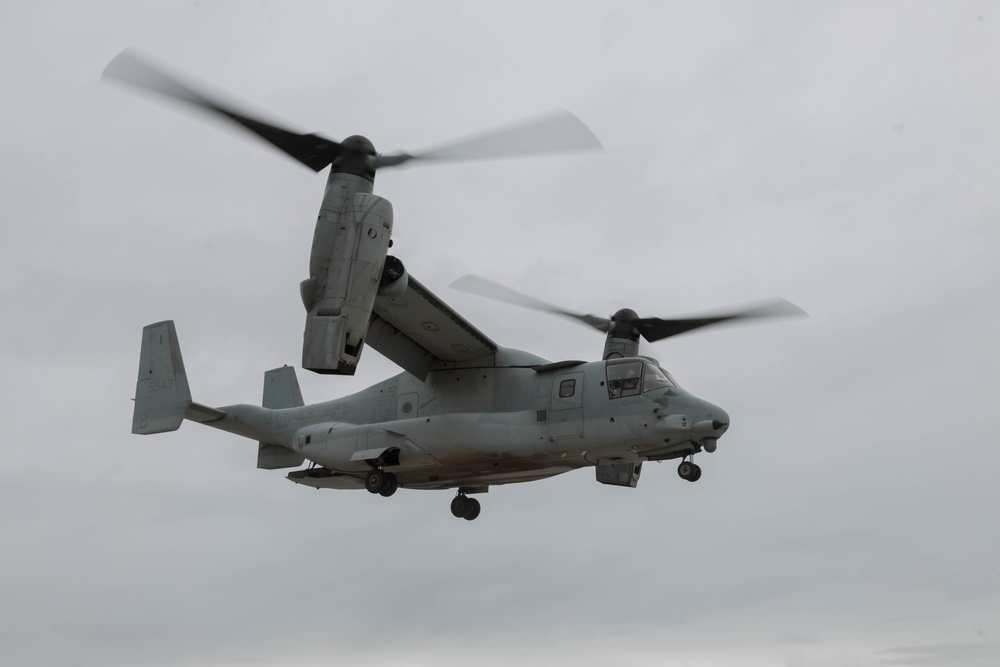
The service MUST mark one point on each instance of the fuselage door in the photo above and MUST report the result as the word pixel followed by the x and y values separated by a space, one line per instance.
pixel 566 406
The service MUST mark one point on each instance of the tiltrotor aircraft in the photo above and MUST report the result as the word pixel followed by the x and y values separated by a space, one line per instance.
pixel 348 264
pixel 466 414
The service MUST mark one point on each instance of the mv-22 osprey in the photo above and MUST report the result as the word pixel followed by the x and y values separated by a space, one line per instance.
pixel 467 414
pixel 348 264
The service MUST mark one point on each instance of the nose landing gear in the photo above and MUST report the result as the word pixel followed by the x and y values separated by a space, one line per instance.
pixel 689 470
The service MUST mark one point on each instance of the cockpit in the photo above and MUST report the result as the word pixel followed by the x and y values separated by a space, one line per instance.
pixel 631 377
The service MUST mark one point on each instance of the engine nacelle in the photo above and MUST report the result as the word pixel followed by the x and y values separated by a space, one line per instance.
pixel 340 296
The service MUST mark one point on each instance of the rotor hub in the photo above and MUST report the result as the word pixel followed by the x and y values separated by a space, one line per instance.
pixel 623 325
pixel 357 157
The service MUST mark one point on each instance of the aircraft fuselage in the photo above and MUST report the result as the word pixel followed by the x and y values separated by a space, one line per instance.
pixel 476 427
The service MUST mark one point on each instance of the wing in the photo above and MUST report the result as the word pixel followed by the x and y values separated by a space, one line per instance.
pixel 419 332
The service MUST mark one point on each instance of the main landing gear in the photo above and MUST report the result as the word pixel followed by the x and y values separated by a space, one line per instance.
pixel 689 470
pixel 381 482
pixel 464 507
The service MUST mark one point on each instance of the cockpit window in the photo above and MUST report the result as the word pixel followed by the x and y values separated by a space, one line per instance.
pixel 624 379
pixel 656 378
pixel 673 381
pixel 630 378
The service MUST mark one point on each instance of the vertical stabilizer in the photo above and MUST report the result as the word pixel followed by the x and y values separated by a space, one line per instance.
pixel 162 394
pixel 281 390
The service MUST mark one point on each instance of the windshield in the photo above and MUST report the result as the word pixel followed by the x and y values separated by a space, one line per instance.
pixel 632 377
pixel 656 378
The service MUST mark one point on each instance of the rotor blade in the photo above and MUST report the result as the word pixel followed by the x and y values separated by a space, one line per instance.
pixel 312 150
pixel 483 287
pixel 555 133
pixel 654 328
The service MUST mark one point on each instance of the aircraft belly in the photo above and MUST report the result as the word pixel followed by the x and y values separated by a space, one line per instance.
pixel 322 478
pixel 444 477
pixel 448 451
pixel 509 472
pixel 478 449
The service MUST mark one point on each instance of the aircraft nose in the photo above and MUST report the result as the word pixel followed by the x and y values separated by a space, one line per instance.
pixel 715 424
pixel 719 417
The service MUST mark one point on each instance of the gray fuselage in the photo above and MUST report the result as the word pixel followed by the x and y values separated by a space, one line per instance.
pixel 476 427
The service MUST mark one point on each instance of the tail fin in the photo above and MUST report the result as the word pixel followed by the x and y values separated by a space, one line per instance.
pixel 162 395
pixel 281 390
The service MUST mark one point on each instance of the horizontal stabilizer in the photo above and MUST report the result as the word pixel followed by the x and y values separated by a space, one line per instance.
pixel 162 395
pixel 203 414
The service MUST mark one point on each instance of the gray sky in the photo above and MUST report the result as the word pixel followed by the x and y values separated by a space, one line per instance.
pixel 841 155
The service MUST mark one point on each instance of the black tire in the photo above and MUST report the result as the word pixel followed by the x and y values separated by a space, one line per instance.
pixel 389 486
pixel 685 470
pixel 374 480
pixel 474 509
pixel 460 506
pixel 695 473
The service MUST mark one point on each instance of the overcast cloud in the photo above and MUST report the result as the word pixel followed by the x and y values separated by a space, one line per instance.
pixel 844 156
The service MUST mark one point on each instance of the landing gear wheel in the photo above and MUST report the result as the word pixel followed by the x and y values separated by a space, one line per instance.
pixel 374 480
pixel 460 506
pixel 689 470
pixel 389 485
pixel 474 509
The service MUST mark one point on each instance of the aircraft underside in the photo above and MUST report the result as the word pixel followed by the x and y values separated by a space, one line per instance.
pixel 466 481
pixel 510 472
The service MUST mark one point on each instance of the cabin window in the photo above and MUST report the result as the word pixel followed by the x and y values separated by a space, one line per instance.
pixel 567 388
